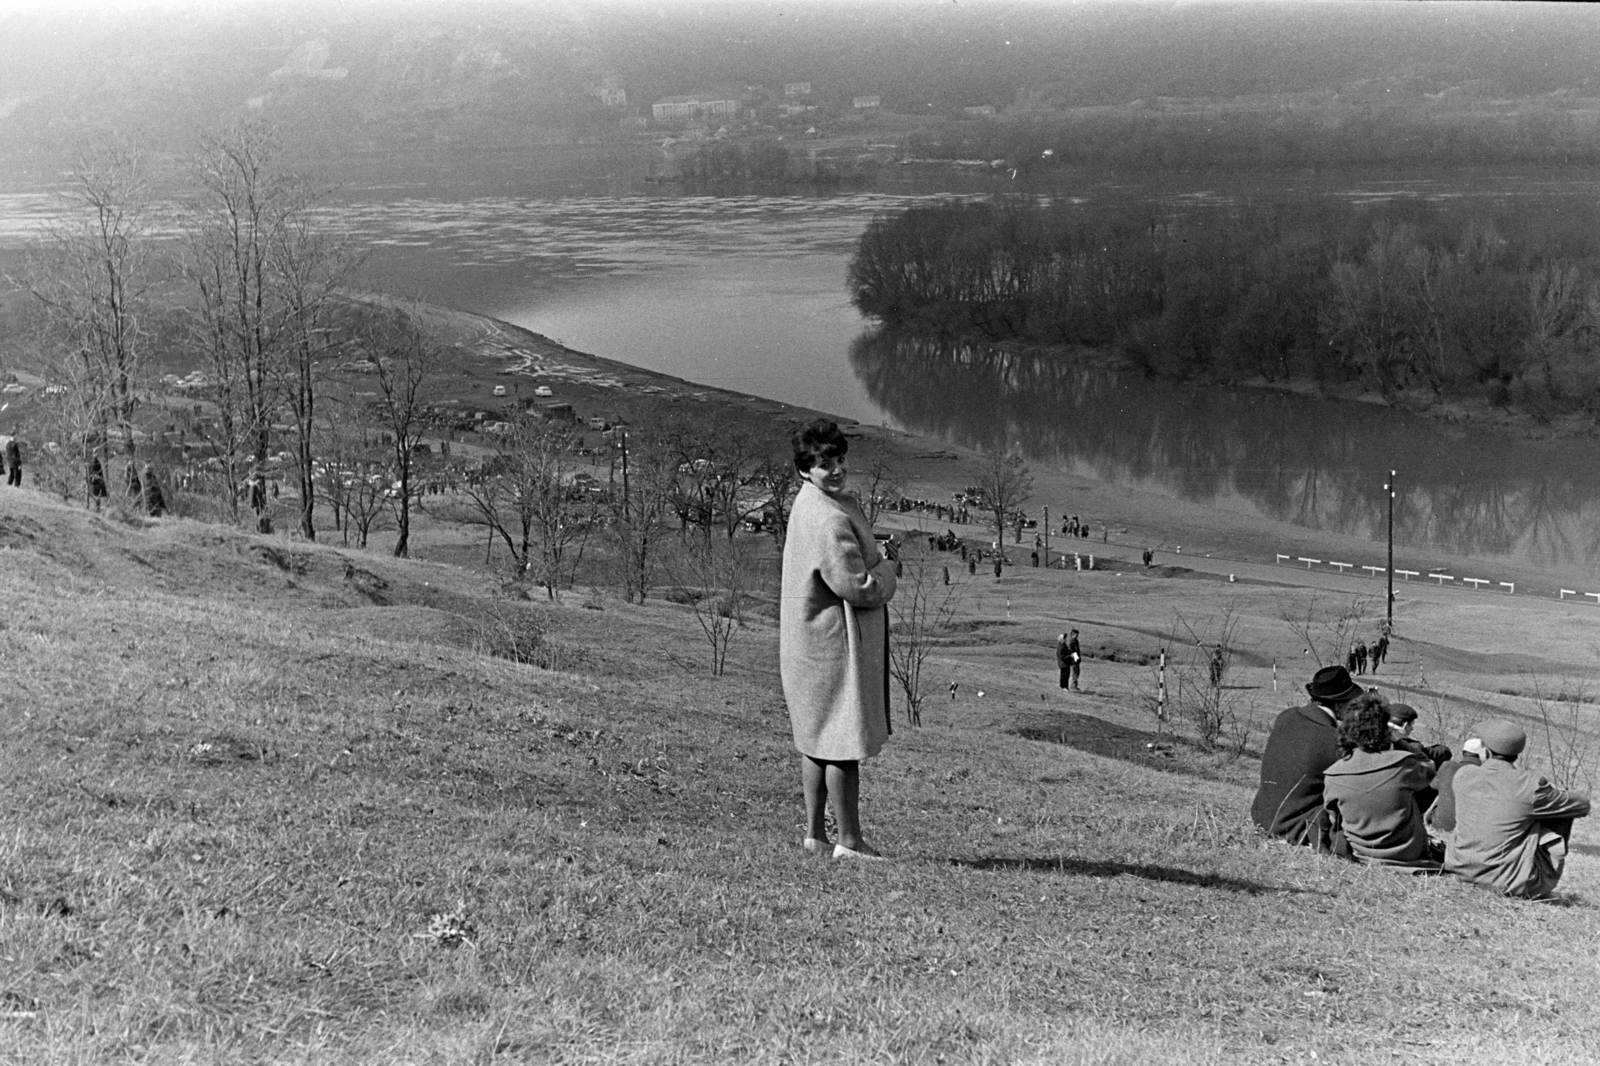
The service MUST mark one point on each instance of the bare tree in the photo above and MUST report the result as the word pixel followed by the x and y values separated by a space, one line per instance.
pixel 406 357
pixel 354 472
pixel 644 475
pixel 920 614
pixel 308 265
pixel 880 488
pixel 234 230
pixel 90 276
pixel 1198 674
pixel 1006 484
pixel 1326 632
pixel 525 496
pixel 715 574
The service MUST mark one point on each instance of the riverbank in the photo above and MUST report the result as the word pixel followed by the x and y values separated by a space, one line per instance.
pixel 1122 519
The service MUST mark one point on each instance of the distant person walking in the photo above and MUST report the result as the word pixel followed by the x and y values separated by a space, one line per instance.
pixel 1380 651
pixel 1070 659
pixel 13 463
pixel 833 639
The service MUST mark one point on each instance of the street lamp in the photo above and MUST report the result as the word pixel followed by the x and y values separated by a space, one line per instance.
pixel 1389 488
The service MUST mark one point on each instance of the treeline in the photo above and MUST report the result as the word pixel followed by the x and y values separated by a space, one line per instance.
pixel 1137 141
pixel 1495 300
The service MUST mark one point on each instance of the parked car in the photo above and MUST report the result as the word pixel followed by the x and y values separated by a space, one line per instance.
pixel 499 390
pixel 543 390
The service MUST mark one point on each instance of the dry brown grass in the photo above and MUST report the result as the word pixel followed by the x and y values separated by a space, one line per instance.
pixel 241 791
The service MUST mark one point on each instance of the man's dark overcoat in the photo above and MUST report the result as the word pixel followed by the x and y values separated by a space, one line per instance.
pixel 1304 742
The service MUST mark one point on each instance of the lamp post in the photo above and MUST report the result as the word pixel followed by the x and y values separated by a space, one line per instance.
pixel 1389 488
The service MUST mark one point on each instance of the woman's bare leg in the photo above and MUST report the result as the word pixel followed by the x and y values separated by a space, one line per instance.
pixel 844 786
pixel 814 780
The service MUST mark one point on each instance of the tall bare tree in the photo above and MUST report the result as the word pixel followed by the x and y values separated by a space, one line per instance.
pixel 644 481
pixel 407 356
pixel 232 229
pixel 1007 485
pixel 307 264
pixel 90 276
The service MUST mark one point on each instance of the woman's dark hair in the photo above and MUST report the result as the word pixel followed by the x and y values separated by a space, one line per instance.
pixel 818 440
pixel 1365 725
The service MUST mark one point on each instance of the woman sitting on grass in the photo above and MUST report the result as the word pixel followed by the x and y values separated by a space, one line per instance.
pixel 833 639
pixel 1373 790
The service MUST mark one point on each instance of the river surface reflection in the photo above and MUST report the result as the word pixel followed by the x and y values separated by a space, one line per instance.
pixel 747 292
pixel 1311 462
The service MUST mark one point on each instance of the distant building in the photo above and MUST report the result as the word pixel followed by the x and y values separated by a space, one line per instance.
pixel 980 111
pixel 791 110
pixel 611 92
pixel 797 88
pixel 692 106
pixel 865 102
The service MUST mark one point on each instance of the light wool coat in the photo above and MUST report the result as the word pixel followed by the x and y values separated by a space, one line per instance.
pixel 833 628
pixel 1511 829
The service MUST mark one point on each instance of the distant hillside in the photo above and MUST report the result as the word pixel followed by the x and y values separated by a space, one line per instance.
pixel 509 75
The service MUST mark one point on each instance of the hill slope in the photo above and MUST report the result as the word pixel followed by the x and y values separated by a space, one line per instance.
pixel 273 801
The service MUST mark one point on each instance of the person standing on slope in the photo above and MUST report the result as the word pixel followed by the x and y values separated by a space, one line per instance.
pixel 833 639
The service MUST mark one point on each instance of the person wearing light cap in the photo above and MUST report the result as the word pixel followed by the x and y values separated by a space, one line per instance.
pixel 1303 743
pixel 1512 825
pixel 1441 816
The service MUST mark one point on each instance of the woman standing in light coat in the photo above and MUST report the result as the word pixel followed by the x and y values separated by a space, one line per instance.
pixel 833 645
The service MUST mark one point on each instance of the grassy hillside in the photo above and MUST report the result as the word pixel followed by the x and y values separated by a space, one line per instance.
pixel 276 802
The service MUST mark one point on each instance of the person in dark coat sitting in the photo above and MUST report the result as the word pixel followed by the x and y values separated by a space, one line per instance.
pixel 1402 719
pixel 1304 742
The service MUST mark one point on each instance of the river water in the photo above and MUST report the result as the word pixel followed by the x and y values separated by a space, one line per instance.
pixel 748 292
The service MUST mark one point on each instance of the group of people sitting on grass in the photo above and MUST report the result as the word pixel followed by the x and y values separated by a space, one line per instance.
pixel 1343 775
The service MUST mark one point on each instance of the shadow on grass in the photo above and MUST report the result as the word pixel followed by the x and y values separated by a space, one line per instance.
pixel 1103 868
pixel 1176 754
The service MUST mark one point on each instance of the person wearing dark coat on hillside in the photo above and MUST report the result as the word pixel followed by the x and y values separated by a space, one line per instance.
pixel 1512 826
pixel 1402 719
pixel 1070 658
pixel 1380 651
pixel 1371 791
pixel 13 463
pixel 1303 743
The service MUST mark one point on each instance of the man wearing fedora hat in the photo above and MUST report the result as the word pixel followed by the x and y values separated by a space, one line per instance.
pixel 1511 824
pixel 1303 743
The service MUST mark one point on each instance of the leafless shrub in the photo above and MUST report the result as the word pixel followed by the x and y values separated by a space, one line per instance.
pixel 921 611
pixel 515 634
pixel 716 579
pixel 1199 656
pixel 1327 631
pixel 1562 738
